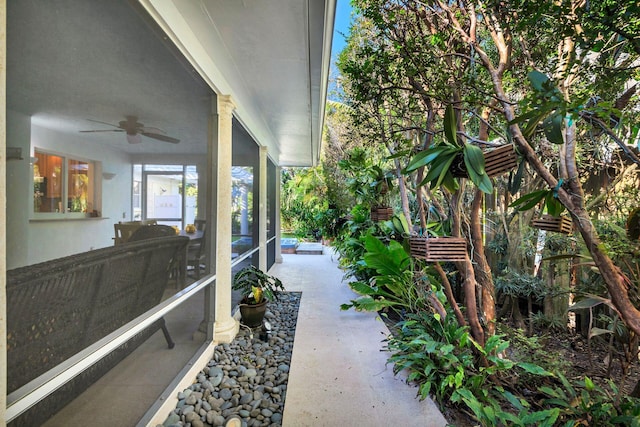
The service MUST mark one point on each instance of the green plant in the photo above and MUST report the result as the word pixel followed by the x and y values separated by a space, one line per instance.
pixel 585 403
pixel 532 350
pixel 520 285
pixel 440 157
pixel 544 321
pixel 381 184
pixel 350 243
pixel 435 350
pixel 549 199
pixel 256 286
pixel 393 284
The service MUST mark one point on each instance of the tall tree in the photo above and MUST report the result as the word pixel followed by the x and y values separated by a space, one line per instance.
pixel 542 74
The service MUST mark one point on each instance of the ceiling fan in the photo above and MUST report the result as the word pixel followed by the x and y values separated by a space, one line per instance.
pixel 135 130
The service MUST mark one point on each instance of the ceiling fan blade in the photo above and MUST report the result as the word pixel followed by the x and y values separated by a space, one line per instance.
pixel 161 137
pixel 134 139
pixel 104 123
pixel 102 130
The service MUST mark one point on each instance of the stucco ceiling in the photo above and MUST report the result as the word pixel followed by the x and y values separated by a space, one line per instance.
pixel 73 62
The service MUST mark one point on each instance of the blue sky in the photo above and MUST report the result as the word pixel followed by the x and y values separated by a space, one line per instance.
pixel 343 17
pixel 340 28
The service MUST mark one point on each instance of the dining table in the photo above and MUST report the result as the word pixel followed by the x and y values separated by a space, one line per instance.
pixel 194 237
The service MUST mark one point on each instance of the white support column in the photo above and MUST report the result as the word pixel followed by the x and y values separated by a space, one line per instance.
pixel 278 225
pixel 225 326
pixel 262 217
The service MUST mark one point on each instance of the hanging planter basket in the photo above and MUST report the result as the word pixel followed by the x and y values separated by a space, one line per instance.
pixel 381 213
pixel 500 160
pixel 435 249
pixel 496 162
pixel 562 224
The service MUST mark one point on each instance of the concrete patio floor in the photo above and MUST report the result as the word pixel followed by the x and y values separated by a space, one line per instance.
pixel 338 372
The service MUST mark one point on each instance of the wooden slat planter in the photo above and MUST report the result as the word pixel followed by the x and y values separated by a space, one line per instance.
pixel 560 224
pixel 496 162
pixel 500 160
pixel 435 249
pixel 381 213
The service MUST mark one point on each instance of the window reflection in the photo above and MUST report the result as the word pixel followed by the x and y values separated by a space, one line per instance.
pixel 62 184
pixel 79 191
pixel 242 209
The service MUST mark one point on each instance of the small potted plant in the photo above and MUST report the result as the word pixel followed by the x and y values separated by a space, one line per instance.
pixel 257 288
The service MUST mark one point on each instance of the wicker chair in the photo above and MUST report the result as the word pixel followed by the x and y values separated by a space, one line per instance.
pixel 58 308
pixel 124 231
pixel 152 231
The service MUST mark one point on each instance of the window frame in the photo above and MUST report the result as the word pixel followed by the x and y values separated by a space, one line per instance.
pixel 94 203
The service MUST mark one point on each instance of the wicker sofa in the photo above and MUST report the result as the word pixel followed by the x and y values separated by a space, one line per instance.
pixel 57 308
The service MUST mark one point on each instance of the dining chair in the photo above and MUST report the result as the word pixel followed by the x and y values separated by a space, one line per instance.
pixel 196 251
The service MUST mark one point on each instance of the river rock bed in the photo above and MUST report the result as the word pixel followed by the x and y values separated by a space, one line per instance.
pixel 246 379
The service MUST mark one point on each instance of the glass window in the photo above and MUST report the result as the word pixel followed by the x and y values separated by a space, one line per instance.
pixel 241 209
pixel 136 193
pixel 80 192
pixel 63 185
pixel 166 193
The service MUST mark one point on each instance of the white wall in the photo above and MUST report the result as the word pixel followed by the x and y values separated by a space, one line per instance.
pixel 31 241
pixel 18 135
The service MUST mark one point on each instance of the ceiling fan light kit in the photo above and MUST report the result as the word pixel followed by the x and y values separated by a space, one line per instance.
pixel 135 131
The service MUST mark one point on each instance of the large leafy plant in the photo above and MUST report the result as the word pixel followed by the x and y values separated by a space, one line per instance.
pixel 393 285
pixel 440 157
pixel 256 285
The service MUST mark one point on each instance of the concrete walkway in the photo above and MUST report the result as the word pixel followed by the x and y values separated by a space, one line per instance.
pixel 339 375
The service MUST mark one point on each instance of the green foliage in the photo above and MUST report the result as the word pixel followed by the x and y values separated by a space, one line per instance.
pixel 585 403
pixel 436 352
pixel 304 201
pixel 439 158
pixel 546 104
pixel 393 285
pixel 549 322
pixel 531 350
pixel 520 285
pixel 438 355
pixel 350 243
pixel 368 182
pixel 625 254
pixel 530 200
pixel 249 278
pixel 403 62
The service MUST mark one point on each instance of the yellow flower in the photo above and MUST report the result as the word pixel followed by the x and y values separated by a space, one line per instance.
pixel 257 293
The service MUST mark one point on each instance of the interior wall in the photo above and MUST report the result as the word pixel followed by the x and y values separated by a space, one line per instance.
pixel 41 240
pixel 18 190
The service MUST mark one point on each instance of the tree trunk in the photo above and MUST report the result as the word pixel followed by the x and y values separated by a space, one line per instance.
pixel 468 276
pixel 402 188
pixel 469 283
pixel 448 291
pixel 482 268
